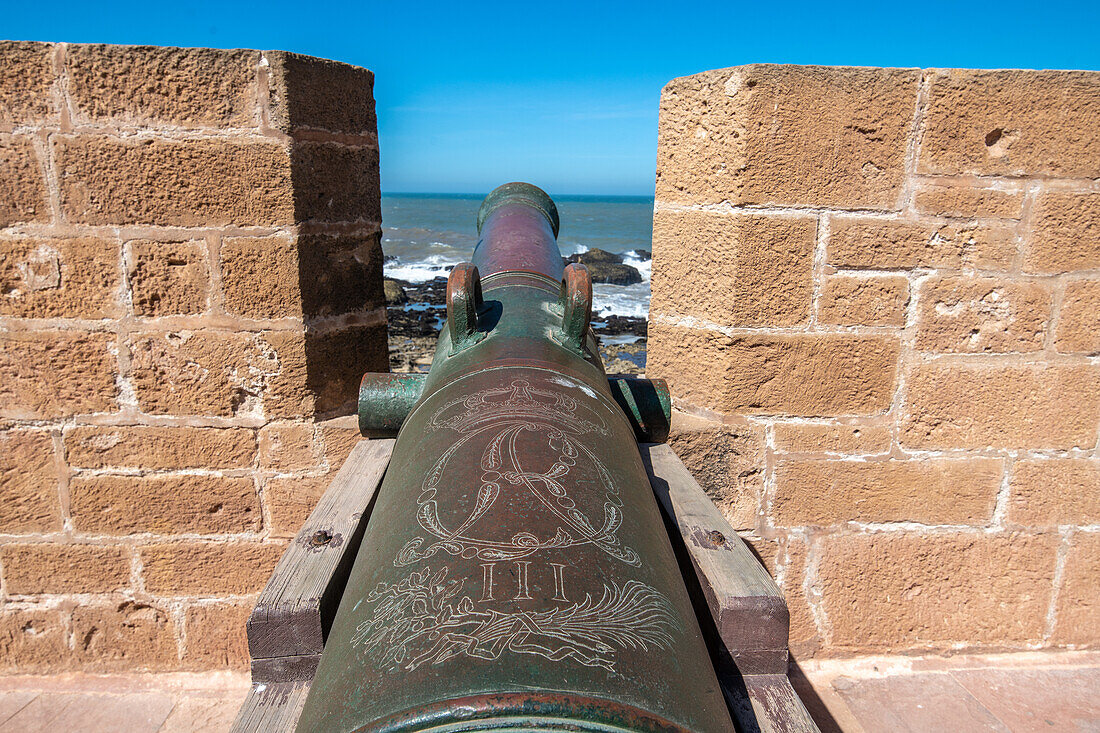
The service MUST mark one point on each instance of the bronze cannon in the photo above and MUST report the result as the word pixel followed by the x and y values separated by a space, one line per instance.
pixel 515 573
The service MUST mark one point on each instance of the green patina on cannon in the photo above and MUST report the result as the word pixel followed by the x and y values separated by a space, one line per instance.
pixel 515 573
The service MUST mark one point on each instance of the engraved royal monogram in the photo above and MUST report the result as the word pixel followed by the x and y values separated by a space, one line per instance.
pixel 498 419
pixel 427 619
pixel 419 621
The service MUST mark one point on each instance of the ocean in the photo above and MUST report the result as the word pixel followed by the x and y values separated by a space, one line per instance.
pixel 424 234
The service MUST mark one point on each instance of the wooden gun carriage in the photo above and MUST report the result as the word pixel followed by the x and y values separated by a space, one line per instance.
pixel 503 565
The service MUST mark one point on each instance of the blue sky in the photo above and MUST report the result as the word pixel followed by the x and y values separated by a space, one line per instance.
pixel 565 94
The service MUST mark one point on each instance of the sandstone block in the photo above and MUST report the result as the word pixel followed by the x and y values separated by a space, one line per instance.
pixel 288 395
pixel 787 135
pixel 900 590
pixel 208 568
pixel 334 183
pixel 743 270
pixel 1046 493
pixel 340 274
pixel 337 360
pixel 49 568
pixel 1012 122
pixel 202 182
pixel 968 202
pixel 152 86
pixel 216 636
pixel 28 483
pixel 159 448
pixel 804 639
pixel 824 493
pixel 275 374
pixel 805 375
pixel 828 438
pixel 81 368
pixel 168 278
pixel 1078 612
pixel 897 244
pixel 260 277
pixel 291 499
pixel 315 94
pixel 982 314
pixel 340 436
pixel 59 278
pixel 126 636
pixel 121 505
pixel 22 182
pixel 864 301
pixel 26 79
pixel 288 447
pixel 1065 233
pixel 32 639
pixel 766 551
pixel 205 372
pixel 977 406
pixel 1078 328
pixel 727 461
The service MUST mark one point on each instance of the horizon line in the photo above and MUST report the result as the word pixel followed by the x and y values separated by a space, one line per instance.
pixel 482 195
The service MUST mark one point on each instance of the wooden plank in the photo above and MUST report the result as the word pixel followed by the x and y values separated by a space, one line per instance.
pixel 295 609
pixel 285 669
pixel 775 707
pixel 271 708
pixel 747 606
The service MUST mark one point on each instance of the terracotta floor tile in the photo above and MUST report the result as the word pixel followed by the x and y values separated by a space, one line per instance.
pixel 1038 699
pixel 12 702
pixel 915 702
pixel 1006 692
pixel 203 713
pixel 87 713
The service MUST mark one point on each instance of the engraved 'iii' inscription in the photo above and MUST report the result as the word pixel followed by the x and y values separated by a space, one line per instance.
pixel 426 619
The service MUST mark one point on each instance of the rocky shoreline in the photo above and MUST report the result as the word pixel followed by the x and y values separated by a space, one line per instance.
pixel 415 313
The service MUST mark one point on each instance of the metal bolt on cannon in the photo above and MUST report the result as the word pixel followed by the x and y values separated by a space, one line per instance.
pixel 515 573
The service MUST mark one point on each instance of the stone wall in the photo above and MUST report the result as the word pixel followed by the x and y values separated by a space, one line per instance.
pixel 190 282
pixel 876 294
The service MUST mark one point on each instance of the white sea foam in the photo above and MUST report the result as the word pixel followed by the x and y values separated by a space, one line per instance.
pixel 619 340
pixel 620 300
pixel 420 272
pixel 624 300
pixel 645 267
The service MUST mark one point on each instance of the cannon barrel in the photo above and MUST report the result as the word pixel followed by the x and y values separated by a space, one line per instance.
pixel 515 573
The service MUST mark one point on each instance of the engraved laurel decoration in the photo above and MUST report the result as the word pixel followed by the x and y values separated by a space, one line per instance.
pixel 418 622
pixel 504 414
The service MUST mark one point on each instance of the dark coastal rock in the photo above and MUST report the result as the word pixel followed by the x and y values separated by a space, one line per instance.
pixel 414 324
pixel 607 267
pixel 409 323
pixel 395 294
pixel 614 274
pixel 411 353
pixel 621 326
pixel 624 358
pixel 432 292
pixel 596 257
pixel 642 254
